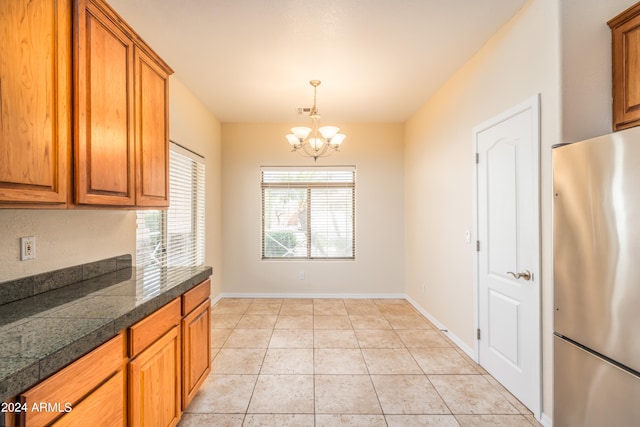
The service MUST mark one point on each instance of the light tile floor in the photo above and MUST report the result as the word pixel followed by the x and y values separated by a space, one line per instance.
pixel 342 362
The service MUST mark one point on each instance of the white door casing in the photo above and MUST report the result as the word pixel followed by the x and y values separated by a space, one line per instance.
pixel 508 256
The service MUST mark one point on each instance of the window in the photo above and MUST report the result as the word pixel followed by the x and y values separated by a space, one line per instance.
pixel 175 237
pixel 308 213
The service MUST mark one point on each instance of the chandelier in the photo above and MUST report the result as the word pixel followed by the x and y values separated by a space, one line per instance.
pixel 315 141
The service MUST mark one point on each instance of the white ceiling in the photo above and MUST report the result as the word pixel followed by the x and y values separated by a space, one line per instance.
pixel 378 60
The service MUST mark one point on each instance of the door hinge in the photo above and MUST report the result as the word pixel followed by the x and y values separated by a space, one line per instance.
pixel 477 158
pixel 478 334
pixel 477 245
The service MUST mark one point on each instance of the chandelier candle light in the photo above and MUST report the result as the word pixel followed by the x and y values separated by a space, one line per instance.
pixel 315 141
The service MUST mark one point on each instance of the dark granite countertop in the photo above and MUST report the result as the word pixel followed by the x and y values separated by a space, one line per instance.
pixel 41 334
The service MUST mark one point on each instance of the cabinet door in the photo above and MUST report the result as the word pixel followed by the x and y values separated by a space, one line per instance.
pixel 152 132
pixel 35 96
pixel 154 388
pixel 626 68
pixel 104 145
pixel 196 350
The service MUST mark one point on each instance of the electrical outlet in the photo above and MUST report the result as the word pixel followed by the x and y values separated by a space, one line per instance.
pixel 301 275
pixel 27 248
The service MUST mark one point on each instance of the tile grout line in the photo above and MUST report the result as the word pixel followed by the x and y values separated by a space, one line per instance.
pixel 361 351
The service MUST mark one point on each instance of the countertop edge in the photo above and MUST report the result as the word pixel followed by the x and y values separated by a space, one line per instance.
pixel 36 370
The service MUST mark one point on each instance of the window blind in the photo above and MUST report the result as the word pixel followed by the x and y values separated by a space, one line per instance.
pixel 175 237
pixel 308 213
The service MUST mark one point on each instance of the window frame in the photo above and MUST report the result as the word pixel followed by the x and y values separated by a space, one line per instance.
pixel 308 186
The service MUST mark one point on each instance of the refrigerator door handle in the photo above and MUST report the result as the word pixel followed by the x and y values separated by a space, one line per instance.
pixel 526 275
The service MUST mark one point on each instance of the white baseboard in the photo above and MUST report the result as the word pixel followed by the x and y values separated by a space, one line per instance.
pixel 453 337
pixel 546 420
pixel 286 295
pixel 216 299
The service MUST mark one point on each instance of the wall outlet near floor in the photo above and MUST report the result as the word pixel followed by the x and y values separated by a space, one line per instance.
pixel 301 275
pixel 27 248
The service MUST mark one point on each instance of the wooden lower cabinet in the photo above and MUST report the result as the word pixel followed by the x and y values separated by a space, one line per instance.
pixel 196 350
pixel 95 381
pixel 145 376
pixel 154 383
pixel 105 407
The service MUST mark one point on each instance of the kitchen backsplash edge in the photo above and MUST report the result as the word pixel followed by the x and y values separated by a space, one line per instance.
pixel 25 287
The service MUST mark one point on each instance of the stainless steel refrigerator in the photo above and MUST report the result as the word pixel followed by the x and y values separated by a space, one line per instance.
pixel 596 227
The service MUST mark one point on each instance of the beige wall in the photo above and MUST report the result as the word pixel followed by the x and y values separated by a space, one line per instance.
pixel 586 66
pixel 376 151
pixel 194 127
pixel 63 238
pixel 70 237
pixel 520 61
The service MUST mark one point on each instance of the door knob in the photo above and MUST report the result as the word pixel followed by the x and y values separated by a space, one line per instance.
pixel 526 275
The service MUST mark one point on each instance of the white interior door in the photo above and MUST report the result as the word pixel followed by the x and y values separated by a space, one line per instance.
pixel 508 257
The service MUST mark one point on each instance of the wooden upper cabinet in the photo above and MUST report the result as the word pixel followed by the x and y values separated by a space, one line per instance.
pixel 152 131
pixel 116 123
pixel 104 145
pixel 122 120
pixel 35 97
pixel 625 37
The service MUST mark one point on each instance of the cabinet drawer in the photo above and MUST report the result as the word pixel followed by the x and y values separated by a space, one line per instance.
pixel 75 381
pixel 152 327
pixel 105 407
pixel 194 297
